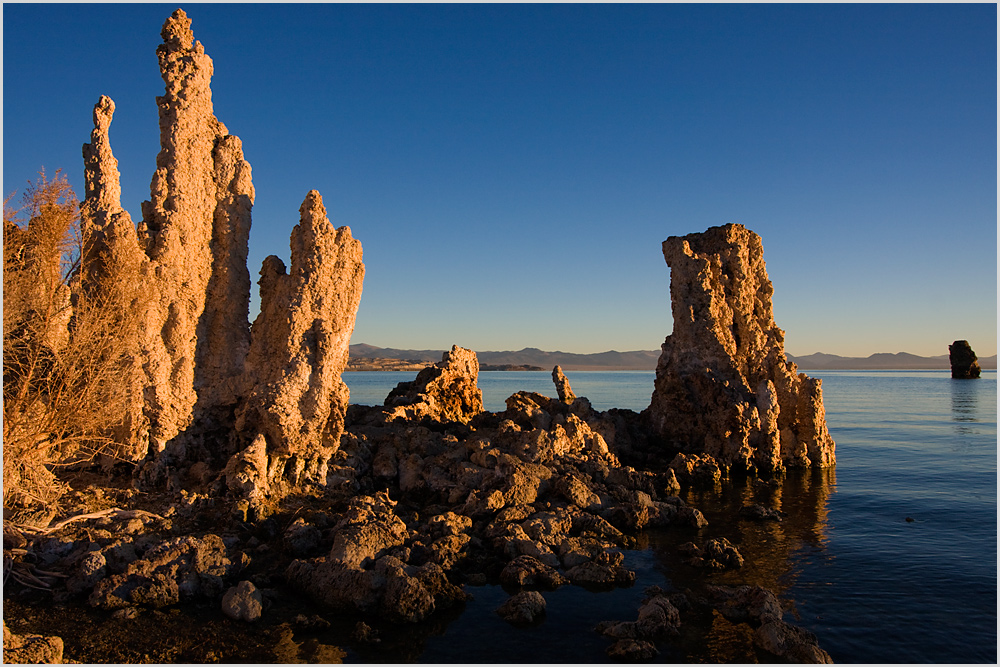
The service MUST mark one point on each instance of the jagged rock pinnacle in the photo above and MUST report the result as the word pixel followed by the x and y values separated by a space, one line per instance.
pixel 723 384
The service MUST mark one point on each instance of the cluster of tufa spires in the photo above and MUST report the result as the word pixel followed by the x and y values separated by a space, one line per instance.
pixel 266 404
pixel 208 385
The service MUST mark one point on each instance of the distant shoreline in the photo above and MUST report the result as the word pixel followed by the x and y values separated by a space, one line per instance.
pixel 370 358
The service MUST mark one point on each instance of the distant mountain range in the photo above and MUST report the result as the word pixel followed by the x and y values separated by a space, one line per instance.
pixel 880 361
pixel 645 360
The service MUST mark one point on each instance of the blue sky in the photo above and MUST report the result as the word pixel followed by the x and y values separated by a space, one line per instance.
pixel 511 170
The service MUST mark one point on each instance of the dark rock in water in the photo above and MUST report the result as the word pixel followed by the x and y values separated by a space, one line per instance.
pixel 632 650
pixel 791 643
pixel 658 617
pixel 365 634
pixel 523 609
pixel 528 571
pixel 746 604
pixel 758 512
pixel 964 363
pixel 717 554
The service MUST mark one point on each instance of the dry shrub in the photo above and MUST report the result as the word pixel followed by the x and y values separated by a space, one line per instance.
pixel 69 348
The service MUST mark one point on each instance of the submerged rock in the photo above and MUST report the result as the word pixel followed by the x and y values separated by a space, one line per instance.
pixel 633 650
pixel 791 643
pixel 716 554
pixel 757 512
pixel 658 617
pixel 523 608
pixel 723 384
pixel 964 363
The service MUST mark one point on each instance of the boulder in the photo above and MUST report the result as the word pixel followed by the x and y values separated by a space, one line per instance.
pixel 698 469
pixel 176 570
pixel 302 539
pixel 365 634
pixel 632 650
pixel 447 391
pixel 243 602
pixel 723 384
pixel 791 643
pixel 716 554
pixel 657 617
pixel 529 571
pixel 746 604
pixel 31 649
pixel 576 491
pixel 91 569
pixel 597 575
pixel 367 530
pixel 964 363
pixel 524 608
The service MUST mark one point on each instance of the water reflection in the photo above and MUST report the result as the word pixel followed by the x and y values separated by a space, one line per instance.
pixel 772 550
pixel 964 404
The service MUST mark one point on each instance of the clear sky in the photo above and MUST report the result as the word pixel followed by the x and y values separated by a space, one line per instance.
pixel 511 170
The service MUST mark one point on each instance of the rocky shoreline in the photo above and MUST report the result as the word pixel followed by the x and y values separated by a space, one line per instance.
pixel 418 513
pixel 241 490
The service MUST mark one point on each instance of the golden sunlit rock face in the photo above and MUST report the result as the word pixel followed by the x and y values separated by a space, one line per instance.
pixel 723 384
pixel 199 373
pixel 296 399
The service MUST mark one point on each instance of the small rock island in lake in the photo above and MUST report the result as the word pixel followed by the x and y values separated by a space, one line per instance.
pixel 964 363
pixel 247 484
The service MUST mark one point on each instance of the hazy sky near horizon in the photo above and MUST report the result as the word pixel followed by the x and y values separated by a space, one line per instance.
pixel 511 170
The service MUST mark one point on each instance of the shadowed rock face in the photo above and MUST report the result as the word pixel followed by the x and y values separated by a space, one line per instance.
pixel 964 363
pixel 723 384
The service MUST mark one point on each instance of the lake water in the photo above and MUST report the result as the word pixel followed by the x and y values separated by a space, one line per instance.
pixel 889 557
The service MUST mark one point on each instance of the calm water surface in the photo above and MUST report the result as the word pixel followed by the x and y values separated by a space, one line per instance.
pixel 874 586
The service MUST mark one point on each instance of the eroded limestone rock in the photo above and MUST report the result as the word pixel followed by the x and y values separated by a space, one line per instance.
pixel 964 363
pixel 723 384
pixel 114 271
pixel 447 391
pixel 31 649
pixel 716 554
pixel 523 608
pixel 657 617
pixel 296 399
pixel 195 229
pixel 563 389
pixel 176 570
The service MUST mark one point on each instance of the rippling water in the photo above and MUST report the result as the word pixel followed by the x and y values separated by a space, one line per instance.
pixel 890 557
